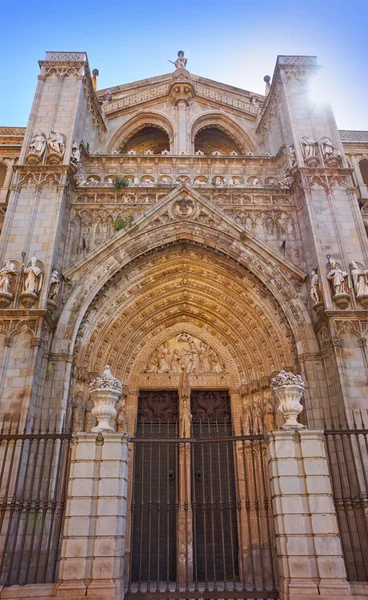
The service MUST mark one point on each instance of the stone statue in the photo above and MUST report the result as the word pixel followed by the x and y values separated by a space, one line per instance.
pixel 184 352
pixel 7 275
pixel 268 414
pixel 338 278
pixel 33 278
pixel 309 146
pixel 37 145
pixel 89 418
pixel 286 182
pixel 121 416
pixel 54 285
pixel 185 420
pixel 78 412
pixel 315 291
pixel 328 149
pixel 76 155
pixel 292 156
pixel 56 143
pixel 360 279
pixel 246 416
pixel 79 179
pixel 181 61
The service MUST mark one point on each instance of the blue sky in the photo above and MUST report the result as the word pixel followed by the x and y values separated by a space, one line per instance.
pixel 233 41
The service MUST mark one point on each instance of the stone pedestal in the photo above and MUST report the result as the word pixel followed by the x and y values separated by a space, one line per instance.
pixel 92 555
pixel 309 550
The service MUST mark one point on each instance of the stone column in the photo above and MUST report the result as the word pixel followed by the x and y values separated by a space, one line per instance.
pixel 92 555
pixel 310 558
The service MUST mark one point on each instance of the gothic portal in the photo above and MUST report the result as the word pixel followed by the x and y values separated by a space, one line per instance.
pixel 197 238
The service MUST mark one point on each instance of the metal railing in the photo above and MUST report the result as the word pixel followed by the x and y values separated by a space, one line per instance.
pixel 34 467
pixel 347 451
pixel 201 516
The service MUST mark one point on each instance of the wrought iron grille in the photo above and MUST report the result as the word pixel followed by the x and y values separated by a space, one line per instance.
pixel 34 469
pixel 201 515
pixel 347 451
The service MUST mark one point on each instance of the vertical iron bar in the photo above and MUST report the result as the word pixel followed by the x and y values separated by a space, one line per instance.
pixel 232 517
pixel 212 507
pixel 221 507
pixel 248 510
pixel 256 502
pixel 266 505
pixel 204 504
pixel 158 504
pixel 194 509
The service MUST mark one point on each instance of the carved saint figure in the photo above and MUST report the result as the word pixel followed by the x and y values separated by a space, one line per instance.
pixel 315 291
pixel 37 145
pixel 309 146
pixel 328 149
pixel 163 359
pixel 181 61
pixel 121 416
pixel 268 414
pixel 185 420
pixel 78 412
pixel 292 156
pixel 89 418
pixel 56 143
pixel 76 155
pixel 7 274
pixel 33 277
pixel 338 278
pixel 54 285
pixel 246 416
pixel 360 279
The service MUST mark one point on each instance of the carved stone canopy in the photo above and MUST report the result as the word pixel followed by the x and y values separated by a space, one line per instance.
pixel 184 352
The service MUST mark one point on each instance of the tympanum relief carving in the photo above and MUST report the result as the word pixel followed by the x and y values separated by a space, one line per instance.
pixel 184 352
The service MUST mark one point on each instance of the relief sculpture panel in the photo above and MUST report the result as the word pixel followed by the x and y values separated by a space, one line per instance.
pixel 184 353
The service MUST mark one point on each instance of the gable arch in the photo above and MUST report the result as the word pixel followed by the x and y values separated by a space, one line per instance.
pixel 136 124
pixel 225 124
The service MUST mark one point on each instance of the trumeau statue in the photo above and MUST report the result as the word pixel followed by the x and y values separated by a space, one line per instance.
pixel 37 145
pixel 338 278
pixel 7 275
pixel 56 143
pixel 33 277
pixel 185 420
pixel 360 279
pixel 315 291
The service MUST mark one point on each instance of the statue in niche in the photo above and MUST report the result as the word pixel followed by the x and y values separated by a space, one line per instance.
pixel 246 416
pixel 78 412
pixel 181 61
pixel 338 278
pixel 268 414
pixel 121 416
pixel 54 285
pixel 185 420
pixel 76 155
pixel 292 156
pixel 309 146
pixel 89 418
pixel 7 275
pixel 315 291
pixel 37 145
pixel 33 278
pixel 360 279
pixel 56 143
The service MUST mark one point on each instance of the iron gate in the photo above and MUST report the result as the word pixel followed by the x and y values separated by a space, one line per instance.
pixel 201 515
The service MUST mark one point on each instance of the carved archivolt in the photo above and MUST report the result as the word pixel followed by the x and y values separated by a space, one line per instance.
pixel 131 127
pixel 225 124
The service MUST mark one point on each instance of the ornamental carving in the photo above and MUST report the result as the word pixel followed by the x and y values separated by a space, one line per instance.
pixel 184 353
pixel 106 382
pixel 286 378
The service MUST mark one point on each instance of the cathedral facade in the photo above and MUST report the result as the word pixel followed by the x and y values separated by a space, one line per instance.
pixel 183 341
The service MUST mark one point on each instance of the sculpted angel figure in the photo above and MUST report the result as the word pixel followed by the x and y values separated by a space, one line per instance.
pixel 315 291
pixel 7 274
pixel 338 278
pixel 32 277
pixel 37 145
pixel 360 279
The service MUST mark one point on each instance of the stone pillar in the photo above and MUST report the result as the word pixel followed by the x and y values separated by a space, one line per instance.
pixel 308 546
pixel 92 555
